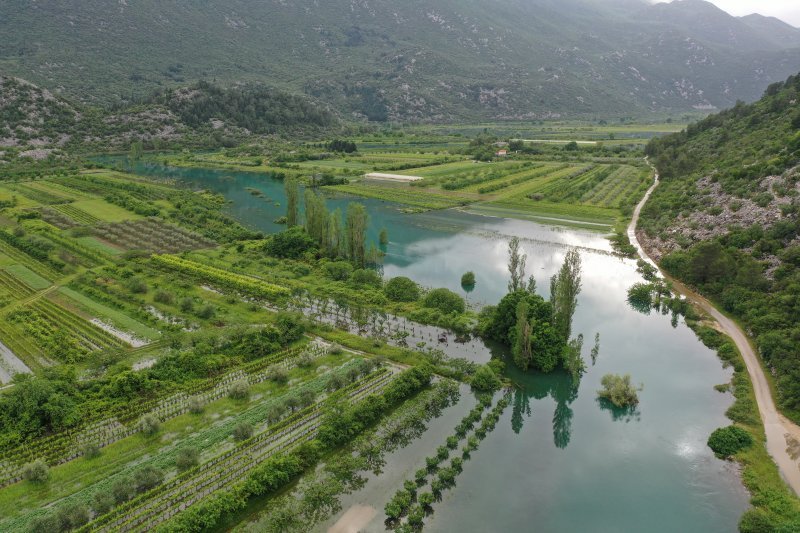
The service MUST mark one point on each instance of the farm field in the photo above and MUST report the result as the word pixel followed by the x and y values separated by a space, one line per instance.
pixel 189 344
pixel 598 193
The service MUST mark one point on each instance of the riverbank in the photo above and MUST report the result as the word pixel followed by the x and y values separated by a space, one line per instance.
pixel 779 435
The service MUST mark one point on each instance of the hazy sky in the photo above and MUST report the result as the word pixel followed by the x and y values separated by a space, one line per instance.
pixel 787 10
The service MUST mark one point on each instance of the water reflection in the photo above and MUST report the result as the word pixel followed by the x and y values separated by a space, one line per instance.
pixel 559 386
pixel 629 413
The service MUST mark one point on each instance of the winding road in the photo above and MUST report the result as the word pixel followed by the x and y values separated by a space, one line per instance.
pixel 781 432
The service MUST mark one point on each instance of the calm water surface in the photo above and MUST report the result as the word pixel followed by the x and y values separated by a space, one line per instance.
pixel 557 461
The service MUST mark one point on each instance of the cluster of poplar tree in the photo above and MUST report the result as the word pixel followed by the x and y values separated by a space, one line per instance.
pixel 537 330
pixel 338 237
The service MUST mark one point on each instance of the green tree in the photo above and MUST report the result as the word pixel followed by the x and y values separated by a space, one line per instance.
pixel 573 360
pixel 137 150
pixel 356 224
pixel 317 219
pixel 521 349
pixel 564 289
pixel 468 281
pixel 383 238
pixel 516 265
pixel 292 200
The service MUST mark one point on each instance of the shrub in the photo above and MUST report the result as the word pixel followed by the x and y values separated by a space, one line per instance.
pixel 122 490
pixel 187 458
pixel 366 278
pixel 339 270
pixel 401 289
pixel 728 441
pixel 90 449
pixel 426 499
pixel 36 472
pixel 196 405
pixel 442 453
pixel 206 312
pixel 278 375
pixel 187 304
pixel 290 244
pixel 137 286
pixel 103 502
pixel 432 462
pixel 399 504
pixel 305 361
pixel 445 301
pixel 415 516
pixel 48 522
pixel 468 280
pixel 485 380
pixel 74 516
pixel 164 297
pixel 239 390
pixel 242 432
pixel 149 425
pixel 146 478
pixel 619 390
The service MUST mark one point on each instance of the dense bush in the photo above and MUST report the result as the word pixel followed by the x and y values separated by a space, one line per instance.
pixel 401 289
pixel 290 244
pixel 729 440
pixel 339 270
pixel 468 280
pixel 485 380
pixel 149 425
pixel 445 301
pixel 619 390
pixel 366 278
pixel 36 472
pixel 146 478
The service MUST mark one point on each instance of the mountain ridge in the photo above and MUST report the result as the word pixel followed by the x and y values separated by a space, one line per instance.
pixel 432 61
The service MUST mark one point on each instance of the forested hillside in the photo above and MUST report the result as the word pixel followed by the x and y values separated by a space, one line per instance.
pixel 427 60
pixel 38 127
pixel 725 219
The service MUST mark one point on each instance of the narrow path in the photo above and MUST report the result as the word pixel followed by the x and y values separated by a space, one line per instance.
pixel 781 432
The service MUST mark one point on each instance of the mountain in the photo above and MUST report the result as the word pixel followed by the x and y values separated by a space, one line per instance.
pixel 726 219
pixel 427 60
pixel 773 29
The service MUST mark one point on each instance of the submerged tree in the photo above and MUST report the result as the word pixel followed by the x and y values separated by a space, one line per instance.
pixel 619 390
pixel 573 360
pixel 292 199
pixel 516 265
pixel 564 289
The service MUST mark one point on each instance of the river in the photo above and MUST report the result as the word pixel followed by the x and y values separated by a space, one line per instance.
pixel 558 460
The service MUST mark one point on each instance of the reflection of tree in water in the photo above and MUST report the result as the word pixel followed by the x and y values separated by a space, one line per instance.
pixel 520 409
pixel 558 386
pixel 625 414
